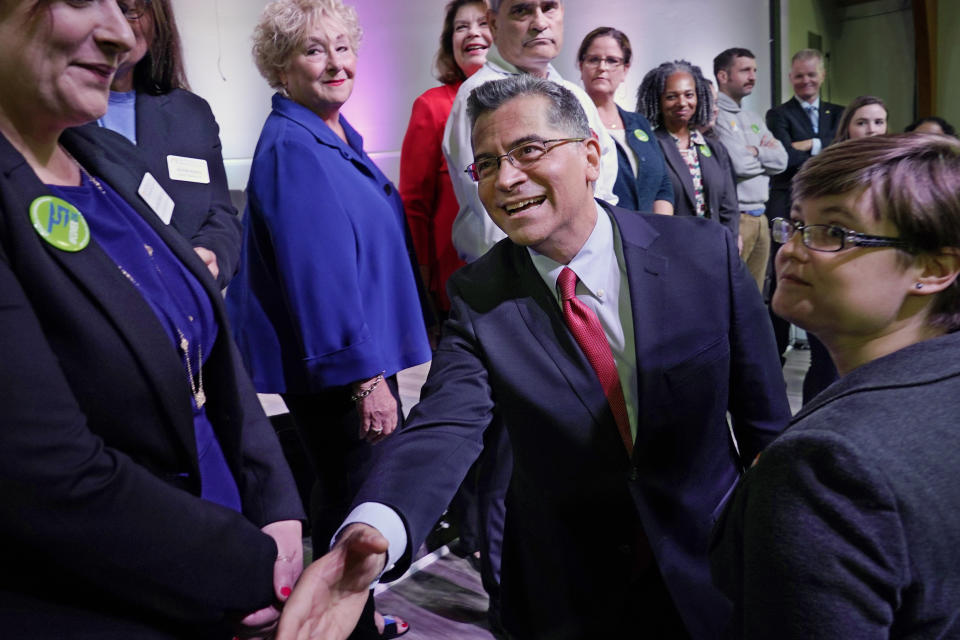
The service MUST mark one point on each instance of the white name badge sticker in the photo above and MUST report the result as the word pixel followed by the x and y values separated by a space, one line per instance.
pixel 188 169
pixel 156 198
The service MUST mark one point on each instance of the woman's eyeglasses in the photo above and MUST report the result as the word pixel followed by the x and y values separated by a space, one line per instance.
pixel 828 237
pixel 596 61
pixel 133 10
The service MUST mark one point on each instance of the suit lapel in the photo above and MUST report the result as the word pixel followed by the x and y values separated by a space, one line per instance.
pixel 124 305
pixel 712 175
pixel 645 270
pixel 677 165
pixel 827 122
pixel 541 313
pixel 539 309
pixel 631 125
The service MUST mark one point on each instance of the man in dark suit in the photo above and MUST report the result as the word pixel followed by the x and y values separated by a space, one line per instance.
pixel 614 393
pixel 805 124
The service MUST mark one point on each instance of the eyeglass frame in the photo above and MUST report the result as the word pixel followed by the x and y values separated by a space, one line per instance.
pixel 611 61
pixel 136 10
pixel 474 172
pixel 855 238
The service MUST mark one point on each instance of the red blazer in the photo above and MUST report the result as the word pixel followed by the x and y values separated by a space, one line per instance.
pixel 427 192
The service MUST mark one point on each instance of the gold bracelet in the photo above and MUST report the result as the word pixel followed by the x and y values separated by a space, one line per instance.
pixel 363 393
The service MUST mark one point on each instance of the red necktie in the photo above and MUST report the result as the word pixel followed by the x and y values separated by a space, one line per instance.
pixel 585 327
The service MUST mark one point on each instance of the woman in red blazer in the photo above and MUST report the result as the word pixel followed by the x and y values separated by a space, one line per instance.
pixel 425 187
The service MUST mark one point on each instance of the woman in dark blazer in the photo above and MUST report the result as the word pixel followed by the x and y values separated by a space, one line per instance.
pixel 326 306
pixel 151 105
pixel 676 98
pixel 847 526
pixel 642 181
pixel 142 490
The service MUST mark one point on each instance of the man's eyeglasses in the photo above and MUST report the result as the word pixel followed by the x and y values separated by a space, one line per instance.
pixel 523 156
pixel 133 10
pixel 595 61
pixel 827 237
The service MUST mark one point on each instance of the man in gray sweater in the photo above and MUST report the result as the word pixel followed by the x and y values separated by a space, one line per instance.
pixel 754 153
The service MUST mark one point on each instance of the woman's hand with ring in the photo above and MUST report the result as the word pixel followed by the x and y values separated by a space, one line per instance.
pixel 378 413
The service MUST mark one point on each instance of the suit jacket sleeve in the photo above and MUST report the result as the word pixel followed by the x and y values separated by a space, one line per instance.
pixel 758 395
pixel 420 156
pixel 815 510
pixel 729 214
pixel 181 123
pixel 95 513
pixel 665 191
pixel 267 488
pixel 779 126
pixel 220 230
pixel 442 437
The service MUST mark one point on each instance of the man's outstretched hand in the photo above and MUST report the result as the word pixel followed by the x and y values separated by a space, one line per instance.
pixel 328 599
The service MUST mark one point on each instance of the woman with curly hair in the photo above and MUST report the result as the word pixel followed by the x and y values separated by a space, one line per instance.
pixel 676 98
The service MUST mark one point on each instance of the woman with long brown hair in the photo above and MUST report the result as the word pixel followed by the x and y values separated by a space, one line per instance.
pixel 152 106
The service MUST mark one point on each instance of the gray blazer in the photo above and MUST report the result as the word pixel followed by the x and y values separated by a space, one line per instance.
pixel 849 524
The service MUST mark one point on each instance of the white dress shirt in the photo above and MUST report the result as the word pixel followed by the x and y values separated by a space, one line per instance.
pixel 604 288
pixel 474 233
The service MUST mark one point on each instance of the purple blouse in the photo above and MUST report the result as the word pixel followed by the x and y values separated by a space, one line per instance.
pixel 177 299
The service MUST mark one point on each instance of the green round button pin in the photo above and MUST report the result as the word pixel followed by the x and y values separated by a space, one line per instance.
pixel 756 128
pixel 705 150
pixel 59 223
pixel 641 135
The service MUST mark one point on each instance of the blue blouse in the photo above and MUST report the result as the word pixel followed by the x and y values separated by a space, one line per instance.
pixel 326 294
pixel 176 298
pixel 121 115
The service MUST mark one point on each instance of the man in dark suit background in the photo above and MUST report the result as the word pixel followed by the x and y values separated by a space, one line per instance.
pixel 616 484
pixel 805 124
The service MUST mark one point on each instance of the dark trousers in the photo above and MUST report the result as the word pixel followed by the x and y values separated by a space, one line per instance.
pixel 646 610
pixel 329 425
pixel 493 480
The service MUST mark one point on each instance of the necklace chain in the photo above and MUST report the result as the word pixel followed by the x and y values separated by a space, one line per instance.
pixel 196 385
pixel 83 170
pixel 196 388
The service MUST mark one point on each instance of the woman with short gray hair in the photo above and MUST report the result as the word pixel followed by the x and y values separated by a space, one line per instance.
pixel 326 307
